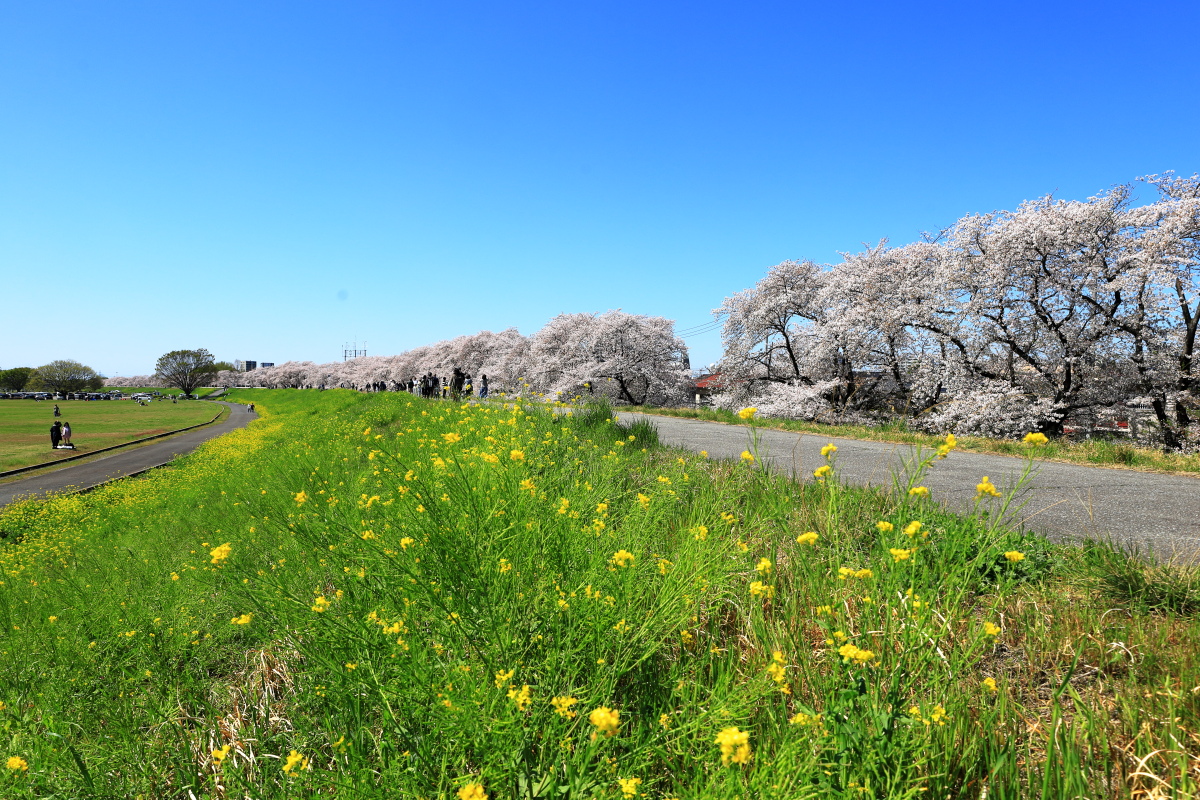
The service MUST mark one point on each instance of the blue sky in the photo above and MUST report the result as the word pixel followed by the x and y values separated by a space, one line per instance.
pixel 270 180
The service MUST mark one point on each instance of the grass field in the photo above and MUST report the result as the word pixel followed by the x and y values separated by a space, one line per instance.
pixel 378 596
pixel 25 426
pixel 169 391
pixel 1095 452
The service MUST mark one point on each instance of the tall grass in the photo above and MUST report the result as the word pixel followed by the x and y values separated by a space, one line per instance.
pixel 378 596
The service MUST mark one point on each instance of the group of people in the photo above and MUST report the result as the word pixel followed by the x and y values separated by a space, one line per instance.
pixel 458 386
pixel 60 434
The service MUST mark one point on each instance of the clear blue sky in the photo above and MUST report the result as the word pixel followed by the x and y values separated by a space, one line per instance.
pixel 270 180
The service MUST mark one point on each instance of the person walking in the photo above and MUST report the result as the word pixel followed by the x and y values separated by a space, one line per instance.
pixel 66 435
pixel 483 387
pixel 57 413
pixel 55 434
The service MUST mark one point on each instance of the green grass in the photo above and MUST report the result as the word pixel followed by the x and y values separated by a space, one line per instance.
pixel 25 426
pixel 421 605
pixel 1097 452
pixel 169 391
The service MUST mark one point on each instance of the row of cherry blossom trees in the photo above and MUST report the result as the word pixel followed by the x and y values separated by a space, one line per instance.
pixel 627 358
pixel 1004 323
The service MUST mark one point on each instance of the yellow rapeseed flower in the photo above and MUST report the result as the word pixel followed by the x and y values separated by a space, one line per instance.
pixel 735 746
pixel 991 629
pixel 1035 439
pixel 763 567
pixel 562 706
pixel 828 450
pixel 220 553
pixel 220 754
pixel 522 697
pixel 747 456
pixel 621 558
pixel 606 720
pixel 760 589
pixel 990 685
pixel 295 761
pixel 244 619
pixel 17 764
pixel 1014 556
pixel 629 786
pixel 912 528
pixel 643 501
pixel 301 498
pixel 884 527
pixel 516 455
pixel 986 487
pixel 809 538
pixel 851 653
pixel 699 533
pixel 451 438
pixel 747 413
pixel 900 554
pixel 472 791
pixel 919 491
pixel 320 604
pixel 822 472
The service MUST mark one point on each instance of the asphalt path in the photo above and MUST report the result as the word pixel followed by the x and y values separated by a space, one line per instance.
pixel 1147 512
pixel 122 463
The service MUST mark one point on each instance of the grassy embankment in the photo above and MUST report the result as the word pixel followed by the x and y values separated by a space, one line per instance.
pixel 1096 452
pixel 25 425
pixel 377 596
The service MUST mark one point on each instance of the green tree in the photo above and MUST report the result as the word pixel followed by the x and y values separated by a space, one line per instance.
pixel 65 375
pixel 185 369
pixel 14 380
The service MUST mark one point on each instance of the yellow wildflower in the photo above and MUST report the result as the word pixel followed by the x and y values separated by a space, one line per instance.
pixel 451 438
pixel 629 786
pixel 747 414
pixel 912 528
pixel 320 604
pixel 900 554
pixel 17 764
pixel 747 456
pixel 986 487
pixel 884 527
pixel 621 558
pixel 516 455
pixel 1035 439
pixel 221 553
pixel 562 706
pixel 760 589
pixel 295 761
pixel 699 533
pixel 919 491
pixel 990 685
pixel 850 652
pixel 991 629
pixel 522 697
pixel 809 538
pixel 220 754
pixel 606 720
pixel 643 500
pixel 1014 556
pixel 828 450
pixel 505 565
pixel 472 791
pixel 735 746
pixel 244 619
pixel 822 472
pixel 301 498
pixel 763 567
pixel 503 677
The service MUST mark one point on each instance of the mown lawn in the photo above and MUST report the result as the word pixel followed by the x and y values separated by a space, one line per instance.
pixel 378 596
pixel 25 425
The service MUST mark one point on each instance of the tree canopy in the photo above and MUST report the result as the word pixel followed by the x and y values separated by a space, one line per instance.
pixel 14 379
pixel 185 369
pixel 65 375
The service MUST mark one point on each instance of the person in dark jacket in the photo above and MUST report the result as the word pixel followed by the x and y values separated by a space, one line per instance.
pixel 55 434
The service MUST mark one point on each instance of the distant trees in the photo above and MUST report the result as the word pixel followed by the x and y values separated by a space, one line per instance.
pixel 1003 323
pixel 15 379
pixel 185 369
pixel 65 375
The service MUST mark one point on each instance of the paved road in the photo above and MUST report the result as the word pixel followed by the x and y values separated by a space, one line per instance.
pixel 1066 501
pixel 124 462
